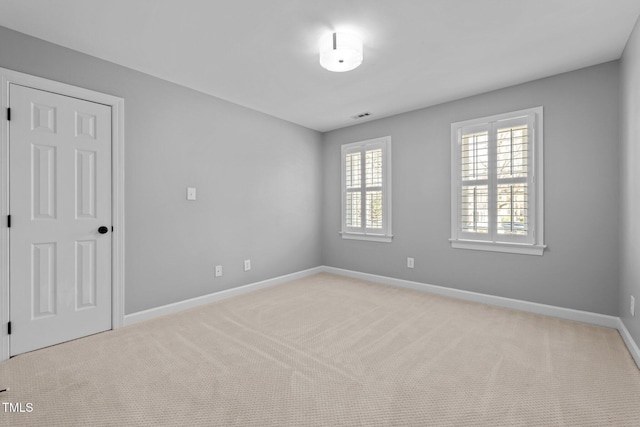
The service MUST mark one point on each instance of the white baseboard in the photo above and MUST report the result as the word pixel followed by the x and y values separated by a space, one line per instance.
pixel 531 307
pixel 613 322
pixel 151 313
pixel 628 340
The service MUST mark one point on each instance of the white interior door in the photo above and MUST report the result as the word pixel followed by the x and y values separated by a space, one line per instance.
pixel 59 197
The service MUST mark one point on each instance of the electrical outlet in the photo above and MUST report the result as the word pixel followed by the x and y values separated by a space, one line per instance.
pixel 247 264
pixel 218 270
pixel 410 262
pixel 632 308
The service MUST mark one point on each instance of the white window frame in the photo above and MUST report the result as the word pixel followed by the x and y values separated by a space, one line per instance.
pixel 363 233
pixel 533 243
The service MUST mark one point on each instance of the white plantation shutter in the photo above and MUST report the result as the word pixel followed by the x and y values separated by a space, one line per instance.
pixel 513 179
pixel 494 178
pixel 353 168
pixel 474 181
pixel 366 195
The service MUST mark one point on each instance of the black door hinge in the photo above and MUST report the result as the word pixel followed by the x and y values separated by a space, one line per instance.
pixel 9 329
pixel 8 221
pixel 9 114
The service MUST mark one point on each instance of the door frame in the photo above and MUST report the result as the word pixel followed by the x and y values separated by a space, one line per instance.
pixel 117 191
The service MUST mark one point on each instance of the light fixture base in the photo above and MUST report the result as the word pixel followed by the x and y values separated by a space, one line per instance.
pixel 340 52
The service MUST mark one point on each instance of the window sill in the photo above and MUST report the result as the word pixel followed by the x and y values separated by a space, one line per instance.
pixel 367 237
pixel 514 248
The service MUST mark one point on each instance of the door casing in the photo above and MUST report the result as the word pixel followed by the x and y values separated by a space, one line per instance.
pixel 117 192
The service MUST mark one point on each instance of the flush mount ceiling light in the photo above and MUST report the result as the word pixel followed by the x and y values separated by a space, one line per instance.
pixel 340 52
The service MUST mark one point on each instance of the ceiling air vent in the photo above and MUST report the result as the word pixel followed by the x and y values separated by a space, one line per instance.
pixel 361 116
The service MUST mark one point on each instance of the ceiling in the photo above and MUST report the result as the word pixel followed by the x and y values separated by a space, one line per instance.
pixel 263 54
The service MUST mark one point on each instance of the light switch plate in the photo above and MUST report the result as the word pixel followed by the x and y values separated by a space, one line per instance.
pixel 191 193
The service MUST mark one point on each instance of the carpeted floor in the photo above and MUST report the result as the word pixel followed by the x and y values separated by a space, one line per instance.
pixel 332 351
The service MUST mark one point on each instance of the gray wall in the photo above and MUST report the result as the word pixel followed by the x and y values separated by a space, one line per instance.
pixel 257 178
pixel 630 173
pixel 259 181
pixel 581 140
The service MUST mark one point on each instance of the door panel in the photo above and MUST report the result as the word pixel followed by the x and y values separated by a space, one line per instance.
pixel 43 171
pixel 60 194
pixel 44 278
pixel 86 184
pixel 86 274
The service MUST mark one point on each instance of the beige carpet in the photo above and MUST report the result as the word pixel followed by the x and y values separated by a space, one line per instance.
pixel 331 351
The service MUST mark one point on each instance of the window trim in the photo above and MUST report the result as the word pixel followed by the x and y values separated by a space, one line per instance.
pixel 534 247
pixel 386 235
